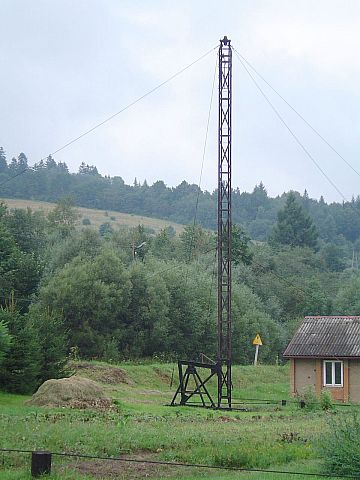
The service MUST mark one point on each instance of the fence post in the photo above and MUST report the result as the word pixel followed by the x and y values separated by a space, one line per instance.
pixel 40 463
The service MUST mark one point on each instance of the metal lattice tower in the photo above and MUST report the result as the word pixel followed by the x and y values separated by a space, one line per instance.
pixel 191 383
pixel 224 223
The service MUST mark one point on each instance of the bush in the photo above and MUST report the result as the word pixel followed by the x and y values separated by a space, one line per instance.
pixel 310 399
pixel 326 402
pixel 86 221
pixel 340 448
pixel 106 229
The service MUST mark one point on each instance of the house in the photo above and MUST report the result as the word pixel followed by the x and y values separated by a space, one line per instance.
pixel 325 355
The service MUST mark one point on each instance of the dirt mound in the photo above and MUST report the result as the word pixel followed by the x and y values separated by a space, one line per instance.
pixel 102 373
pixel 73 392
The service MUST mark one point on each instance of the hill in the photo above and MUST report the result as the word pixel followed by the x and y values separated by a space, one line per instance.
pixel 256 212
pixel 98 217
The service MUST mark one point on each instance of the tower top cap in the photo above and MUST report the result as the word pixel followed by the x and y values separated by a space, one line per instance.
pixel 225 40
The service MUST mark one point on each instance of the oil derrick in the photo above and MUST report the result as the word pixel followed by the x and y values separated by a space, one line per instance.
pixel 193 383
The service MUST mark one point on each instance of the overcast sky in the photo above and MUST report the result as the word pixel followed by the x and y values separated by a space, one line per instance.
pixel 68 64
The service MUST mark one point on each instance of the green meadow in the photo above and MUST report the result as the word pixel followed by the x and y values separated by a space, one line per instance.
pixel 142 426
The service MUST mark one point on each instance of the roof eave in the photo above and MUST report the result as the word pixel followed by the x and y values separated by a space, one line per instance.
pixel 323 356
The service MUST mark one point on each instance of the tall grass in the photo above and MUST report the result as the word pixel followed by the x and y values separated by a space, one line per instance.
pixel 340 447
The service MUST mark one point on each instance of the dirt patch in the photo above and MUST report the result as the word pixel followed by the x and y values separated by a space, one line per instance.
pixel 102 373
pixel 125 470
pixel 163 376
pixel 227 419
pixel 73 392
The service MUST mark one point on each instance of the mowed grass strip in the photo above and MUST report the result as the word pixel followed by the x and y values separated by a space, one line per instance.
pixel 98 217
pixel 266 437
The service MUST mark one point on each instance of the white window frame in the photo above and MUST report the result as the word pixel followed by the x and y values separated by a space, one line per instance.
pixel 333 384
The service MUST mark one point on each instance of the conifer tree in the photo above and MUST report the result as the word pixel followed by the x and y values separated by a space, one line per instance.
pixel 5 340
pixel 294 226
pixel 19 372
pixel 53 342
pixel 3 164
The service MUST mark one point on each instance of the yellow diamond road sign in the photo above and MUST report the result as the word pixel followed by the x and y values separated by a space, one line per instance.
pixel 257 340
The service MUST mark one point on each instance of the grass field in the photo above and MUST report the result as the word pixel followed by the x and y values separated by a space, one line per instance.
pixel 264 436
pixel 98 217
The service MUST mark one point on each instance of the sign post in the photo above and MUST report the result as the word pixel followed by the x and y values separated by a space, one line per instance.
pixel 257 342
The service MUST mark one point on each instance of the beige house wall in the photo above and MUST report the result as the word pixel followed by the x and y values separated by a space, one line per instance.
pixel 354 380
pixel 304 375
pixel 308 373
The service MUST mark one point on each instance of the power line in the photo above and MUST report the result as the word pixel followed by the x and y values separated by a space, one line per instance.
pixel 134 102
pixel 206 139
pixel 108 119
pixel 16 175
pixel 202 166
pixel 295 137
pixel 180 464
pixel 298 114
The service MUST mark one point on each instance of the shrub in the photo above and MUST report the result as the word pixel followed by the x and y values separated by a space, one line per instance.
pixel 105 229
pixel 326 402
pixel 86 221
pixel 310 399
pixel 340 448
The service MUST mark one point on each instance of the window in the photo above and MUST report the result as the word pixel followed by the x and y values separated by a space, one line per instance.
pixel 333 373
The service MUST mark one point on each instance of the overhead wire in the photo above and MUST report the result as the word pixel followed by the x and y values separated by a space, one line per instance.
pixel 242 60
pixel 111 117
pixel 292 133
pixel 298 113
pixel 174 267
pixel 181 464
pixel 203 158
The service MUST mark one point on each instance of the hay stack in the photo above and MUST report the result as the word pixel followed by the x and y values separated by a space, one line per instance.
pixel 73 392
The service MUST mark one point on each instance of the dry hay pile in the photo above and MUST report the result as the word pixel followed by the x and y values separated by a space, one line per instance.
pixel 73 392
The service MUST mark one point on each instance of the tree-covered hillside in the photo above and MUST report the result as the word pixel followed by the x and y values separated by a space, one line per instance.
pixel 337 223
pixel 130 293
pixel 124 293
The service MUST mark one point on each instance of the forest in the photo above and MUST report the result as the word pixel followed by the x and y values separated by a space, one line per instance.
pixel 68 290
pixel 337 223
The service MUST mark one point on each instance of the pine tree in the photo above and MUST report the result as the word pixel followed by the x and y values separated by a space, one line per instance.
pixel 53 342
pixel 19 372
pixel 5 340
pixel 50 162
pixel 294 227
pixel 306 200
pixel 3 163
pixel 13 166
pixel 63 167
pixel 22 162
